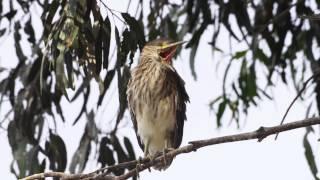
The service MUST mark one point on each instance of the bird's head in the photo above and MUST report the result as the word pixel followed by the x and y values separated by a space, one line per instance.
pixel 161 50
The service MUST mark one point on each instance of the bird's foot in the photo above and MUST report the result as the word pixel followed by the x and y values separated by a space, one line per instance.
pixel 138 166
pixel 151 159
pixel 164 153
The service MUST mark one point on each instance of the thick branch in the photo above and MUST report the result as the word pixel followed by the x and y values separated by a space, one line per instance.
pixel 145 163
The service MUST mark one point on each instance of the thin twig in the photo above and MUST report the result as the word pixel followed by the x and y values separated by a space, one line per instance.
pixel 296 98
pixel 310 17
pixel 112 12
pixel 145 163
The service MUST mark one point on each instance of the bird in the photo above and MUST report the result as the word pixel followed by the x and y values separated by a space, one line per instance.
pixel 157 100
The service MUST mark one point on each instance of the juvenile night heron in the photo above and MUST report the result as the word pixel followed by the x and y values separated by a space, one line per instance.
pixel 157 100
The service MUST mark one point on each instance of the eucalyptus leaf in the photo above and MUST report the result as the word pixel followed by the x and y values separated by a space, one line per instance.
pixel 310 156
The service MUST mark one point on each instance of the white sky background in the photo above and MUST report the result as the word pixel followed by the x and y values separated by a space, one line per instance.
pixel 281 159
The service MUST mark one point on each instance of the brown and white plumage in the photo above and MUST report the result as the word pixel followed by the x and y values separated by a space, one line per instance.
pixel 157 100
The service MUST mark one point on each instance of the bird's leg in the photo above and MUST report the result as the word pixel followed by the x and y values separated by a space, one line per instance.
pixel 146 148
pixel 165 150
pixel 165 156
pixel 146 152
pixel 146 155
pixel 138 165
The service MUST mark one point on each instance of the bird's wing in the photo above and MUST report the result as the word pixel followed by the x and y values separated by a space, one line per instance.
pixel 133 117
pixel 181 98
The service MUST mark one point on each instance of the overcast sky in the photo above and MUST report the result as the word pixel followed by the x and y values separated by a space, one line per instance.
pixel 281 159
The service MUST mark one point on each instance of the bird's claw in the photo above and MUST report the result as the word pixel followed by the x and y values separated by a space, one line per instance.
pixel 138 165
pixel 165 151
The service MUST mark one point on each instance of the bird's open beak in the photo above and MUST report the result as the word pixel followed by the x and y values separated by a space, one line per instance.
pixel 167 51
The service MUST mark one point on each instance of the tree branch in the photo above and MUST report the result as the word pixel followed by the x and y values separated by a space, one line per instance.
pixel 142 164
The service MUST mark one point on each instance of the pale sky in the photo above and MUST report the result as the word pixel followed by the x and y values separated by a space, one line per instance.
pixel 281 159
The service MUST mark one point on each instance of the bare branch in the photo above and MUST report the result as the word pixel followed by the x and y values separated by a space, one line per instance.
pixel 104 173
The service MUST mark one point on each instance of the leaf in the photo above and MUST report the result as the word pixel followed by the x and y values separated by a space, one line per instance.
pixel 10 14
pixel 105 153
pixel 68 60
pixel 262 57
pixel 32 161
pixel 59 70
pixel 214 101
pixel 106 41
pixel 221 109
pixel 192 60
pixel 241 14
pixel 251 82
pixel 171 28
pixel 56 151
pixel 50 11
pixel 193 12
pixel 225 11
pixel 80 157
pixel 106 83
pixel 34 70
pixel 84 104
pixel 2 31
pixel 153 30
pixel 121 155
pixel 309 156
pixel 240 54
pixel 17 38
pixel 18 145
pixel 135 26
pixel 129 147
pixel 98 51
pixel 194 43
pixel 56 100
pixel 205 8
pixel 1 8
pixel 117 36
pixel 123 79
pixel 28 29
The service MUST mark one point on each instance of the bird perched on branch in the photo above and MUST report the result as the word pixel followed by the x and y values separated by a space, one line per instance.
pixel 157 100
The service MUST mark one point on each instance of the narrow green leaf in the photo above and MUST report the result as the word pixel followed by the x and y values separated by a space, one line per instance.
pixel 56 151
pixel 62 81
pixel 17 39
pixel 309 156
pixel 68 60
pixel 98 52
pixel 80 157
pixel 221 110
pixel 18 145
pixel 2 31
pixel 240 54
pixel 106 83
pixel 262 57
pixel 105 153
pixel 84 104
pixel 28 29
pixel 129 147
pixel 10 14
pixel 192 60
pixel 121 155
pixel 123 79
pixel 106 42
pixel 214 101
